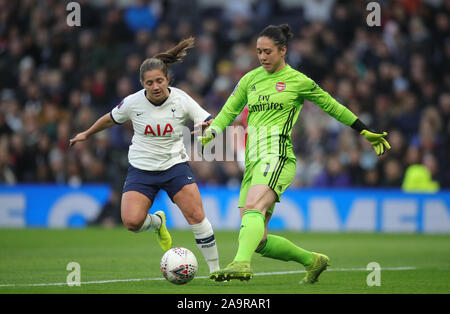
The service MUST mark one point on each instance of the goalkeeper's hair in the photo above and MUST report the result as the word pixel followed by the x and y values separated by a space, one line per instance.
pixel 162 60
pixel 279 34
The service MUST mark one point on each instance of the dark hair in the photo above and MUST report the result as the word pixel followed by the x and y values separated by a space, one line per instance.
pixel 163 59
pixel 279 34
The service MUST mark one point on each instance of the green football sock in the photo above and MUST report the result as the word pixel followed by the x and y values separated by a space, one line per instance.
pixel 250 234
pixel 282 249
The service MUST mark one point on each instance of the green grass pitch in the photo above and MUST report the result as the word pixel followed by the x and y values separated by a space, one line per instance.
pixel 119 261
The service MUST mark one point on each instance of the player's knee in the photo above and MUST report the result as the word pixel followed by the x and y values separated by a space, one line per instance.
pixel 253 206
pixel 195 216
pixel 255 203
pixel 132 224
pixel 250 206
pixel 132 227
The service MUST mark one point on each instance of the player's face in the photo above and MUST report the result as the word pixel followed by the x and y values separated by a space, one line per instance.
pixel 156 84
pixel 270 55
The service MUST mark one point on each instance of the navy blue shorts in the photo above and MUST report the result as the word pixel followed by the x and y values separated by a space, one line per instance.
pixel 150 182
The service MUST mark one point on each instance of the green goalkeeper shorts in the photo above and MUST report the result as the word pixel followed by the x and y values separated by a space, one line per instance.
pixel 272 170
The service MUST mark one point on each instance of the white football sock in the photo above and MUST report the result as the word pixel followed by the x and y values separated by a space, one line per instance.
pixel 151 221
pixel 204 236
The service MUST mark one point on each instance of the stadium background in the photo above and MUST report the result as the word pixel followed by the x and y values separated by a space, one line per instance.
pixel 56 80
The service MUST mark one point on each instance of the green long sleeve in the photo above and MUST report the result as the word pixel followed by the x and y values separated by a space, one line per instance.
pixel 312 92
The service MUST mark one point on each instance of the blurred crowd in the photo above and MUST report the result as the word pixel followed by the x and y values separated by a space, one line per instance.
pixel 56 80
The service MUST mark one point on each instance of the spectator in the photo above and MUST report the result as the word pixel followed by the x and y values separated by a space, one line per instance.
pixel 392 174
pixel 419 178
pixel 318 10
pixel 334 175
pixel 56 80
pixel 142 16
pixel 110 213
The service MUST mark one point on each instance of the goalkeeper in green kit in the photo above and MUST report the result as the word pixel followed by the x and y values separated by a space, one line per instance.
pixel 274 93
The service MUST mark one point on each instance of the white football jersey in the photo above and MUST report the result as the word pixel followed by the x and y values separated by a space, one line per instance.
pixel 157 143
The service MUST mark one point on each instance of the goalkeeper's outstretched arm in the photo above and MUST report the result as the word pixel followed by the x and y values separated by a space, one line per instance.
pixel 317 95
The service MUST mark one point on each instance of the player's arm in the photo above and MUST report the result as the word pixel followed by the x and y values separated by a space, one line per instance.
pixel 232 108
pixel 102 123
pixel 201 126
pixel 312 92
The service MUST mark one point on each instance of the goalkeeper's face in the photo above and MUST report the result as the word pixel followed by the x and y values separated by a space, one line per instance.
pixel 157 86
pixel 270 55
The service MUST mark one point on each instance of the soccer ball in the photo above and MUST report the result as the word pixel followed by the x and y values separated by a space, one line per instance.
pixel 179 265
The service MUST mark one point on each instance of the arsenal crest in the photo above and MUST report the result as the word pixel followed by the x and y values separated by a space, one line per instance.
pixel 281 86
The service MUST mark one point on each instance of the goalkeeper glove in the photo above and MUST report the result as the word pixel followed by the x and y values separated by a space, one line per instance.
pixel 210 134
pixel 379 143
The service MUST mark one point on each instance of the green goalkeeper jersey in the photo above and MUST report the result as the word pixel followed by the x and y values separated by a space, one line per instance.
pixel 274 102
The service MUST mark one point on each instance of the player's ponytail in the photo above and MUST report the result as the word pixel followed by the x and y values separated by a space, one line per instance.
pixel 177 53
pixel 161 60
pixel 279 34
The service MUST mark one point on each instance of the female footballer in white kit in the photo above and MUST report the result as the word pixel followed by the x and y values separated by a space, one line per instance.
pixel 157 155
